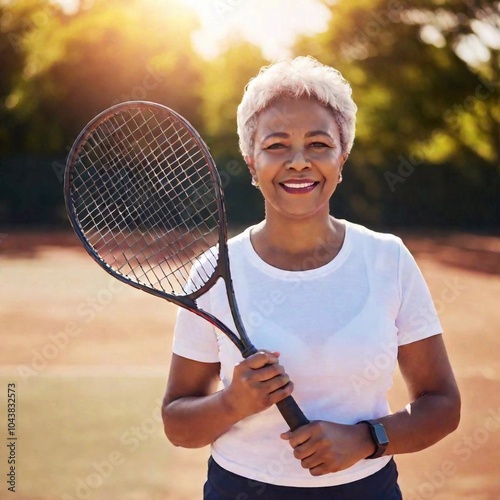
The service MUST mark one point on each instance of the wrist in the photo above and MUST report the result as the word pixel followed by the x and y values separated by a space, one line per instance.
pixel 229 407
pixel 379 437
pixel 367 445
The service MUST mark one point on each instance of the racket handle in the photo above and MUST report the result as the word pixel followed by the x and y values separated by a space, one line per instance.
pixel 288 408
pixel 291 412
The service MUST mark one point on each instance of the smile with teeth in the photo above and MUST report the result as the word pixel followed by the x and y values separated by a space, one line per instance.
pixel 300 185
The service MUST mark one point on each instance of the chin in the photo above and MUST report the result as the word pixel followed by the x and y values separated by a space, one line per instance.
pixel 298 213
pixel 320 212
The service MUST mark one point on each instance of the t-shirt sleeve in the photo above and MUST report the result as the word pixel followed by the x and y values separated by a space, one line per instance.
pixel 195 337
pixel 417 318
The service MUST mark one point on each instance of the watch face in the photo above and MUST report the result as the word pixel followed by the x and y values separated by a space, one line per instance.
pixel 381 435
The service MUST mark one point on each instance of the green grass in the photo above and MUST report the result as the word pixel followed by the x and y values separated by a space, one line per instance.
pixel 66 426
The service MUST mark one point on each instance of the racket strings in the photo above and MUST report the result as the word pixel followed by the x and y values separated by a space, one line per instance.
pixel 141 250
pixel 144 198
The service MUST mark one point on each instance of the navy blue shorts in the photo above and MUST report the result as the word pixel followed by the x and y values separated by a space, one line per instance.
pixel 224 485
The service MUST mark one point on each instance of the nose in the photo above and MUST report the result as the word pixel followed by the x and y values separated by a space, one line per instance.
pixel 298 161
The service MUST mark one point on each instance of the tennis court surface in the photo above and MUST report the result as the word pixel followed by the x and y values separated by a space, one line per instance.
pixel 89 358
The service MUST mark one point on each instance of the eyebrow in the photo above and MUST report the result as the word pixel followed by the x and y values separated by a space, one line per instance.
pixel 318 132
pixel 284 135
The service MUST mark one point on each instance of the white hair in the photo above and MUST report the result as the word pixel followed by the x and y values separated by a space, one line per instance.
pixel 302 76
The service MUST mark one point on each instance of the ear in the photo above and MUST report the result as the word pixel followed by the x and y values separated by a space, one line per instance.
pixel 342 160
pixel 249 160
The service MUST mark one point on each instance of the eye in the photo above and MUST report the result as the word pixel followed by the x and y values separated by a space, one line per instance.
pixel 276 145
pixel 318 144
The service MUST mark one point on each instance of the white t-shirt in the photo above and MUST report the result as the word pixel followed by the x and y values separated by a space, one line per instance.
pixel 337 327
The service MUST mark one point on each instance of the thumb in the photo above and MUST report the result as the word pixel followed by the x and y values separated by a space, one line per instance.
pixel 285 435
pixel 274 353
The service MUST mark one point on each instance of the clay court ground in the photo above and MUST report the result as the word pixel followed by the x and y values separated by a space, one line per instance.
pixel 89 357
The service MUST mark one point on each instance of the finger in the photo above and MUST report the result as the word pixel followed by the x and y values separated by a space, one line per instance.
pixel 261 374
pixel 275 384
pixel 304 450
pixel 269 372
pixel 312 462
pixel 274 353
pixel 319 470
pixel 301 435
pixel 281 394
pixel 260 359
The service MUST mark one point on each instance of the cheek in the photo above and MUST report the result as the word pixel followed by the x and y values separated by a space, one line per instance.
pixel 332 156
pixel 266 166
pixel 333 162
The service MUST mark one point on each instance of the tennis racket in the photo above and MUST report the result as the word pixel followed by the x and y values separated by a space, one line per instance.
pixel 144 196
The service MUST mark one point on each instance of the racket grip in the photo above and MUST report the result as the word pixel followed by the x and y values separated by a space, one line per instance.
pixel 291 412
pixel 288 408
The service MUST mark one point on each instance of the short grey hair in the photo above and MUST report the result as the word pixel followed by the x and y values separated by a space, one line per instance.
pixel 302 76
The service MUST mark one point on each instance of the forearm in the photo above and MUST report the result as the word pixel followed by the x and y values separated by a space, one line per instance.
pixel 422 423
pixel 194 422
pixel 434 410
pixel 195 416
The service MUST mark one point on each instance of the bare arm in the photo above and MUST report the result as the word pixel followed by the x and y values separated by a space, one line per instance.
pixel 434 409
pixel 193 412
pixel 433 412
pixel 195 415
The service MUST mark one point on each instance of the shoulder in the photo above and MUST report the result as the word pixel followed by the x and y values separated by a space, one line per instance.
pixel 373 239
pixel 240 239
pixel 239 235
pixel 235 244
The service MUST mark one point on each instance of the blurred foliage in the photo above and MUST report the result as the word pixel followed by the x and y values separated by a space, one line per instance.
pixel 66 68
pixel 424 75
pixel 224 81
pixel 411 87
pixel 74 66
pixel 427 147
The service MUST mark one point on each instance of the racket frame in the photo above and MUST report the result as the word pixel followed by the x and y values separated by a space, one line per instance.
pixel 288 407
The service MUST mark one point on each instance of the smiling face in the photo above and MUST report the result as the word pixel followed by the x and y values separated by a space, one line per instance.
pixel 297 159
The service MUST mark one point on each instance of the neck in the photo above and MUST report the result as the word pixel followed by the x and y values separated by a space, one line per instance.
pixel 298 244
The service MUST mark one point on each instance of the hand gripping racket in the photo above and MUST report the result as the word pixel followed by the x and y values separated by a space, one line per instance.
pixel 144 196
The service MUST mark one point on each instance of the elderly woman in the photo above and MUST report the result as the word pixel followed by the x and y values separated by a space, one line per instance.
pixel 335 304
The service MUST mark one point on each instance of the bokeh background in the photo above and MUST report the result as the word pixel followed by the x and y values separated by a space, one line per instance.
pixel 89 357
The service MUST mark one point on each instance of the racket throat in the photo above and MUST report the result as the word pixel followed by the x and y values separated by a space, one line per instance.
pixel 248 351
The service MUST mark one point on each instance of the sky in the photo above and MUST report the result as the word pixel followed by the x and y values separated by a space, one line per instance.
pixel 274 25
pixel 271 24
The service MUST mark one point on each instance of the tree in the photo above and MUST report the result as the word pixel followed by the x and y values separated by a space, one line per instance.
pixel 76 65
pixel 223 83
pixel 18 22
pixel 224 80
pixel 63 68
pixel 402 62
pixel 421 104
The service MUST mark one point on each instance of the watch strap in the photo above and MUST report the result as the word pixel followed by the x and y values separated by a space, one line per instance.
pixel 380 445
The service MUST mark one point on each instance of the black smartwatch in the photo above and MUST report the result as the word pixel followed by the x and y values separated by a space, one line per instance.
pixel 379 436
